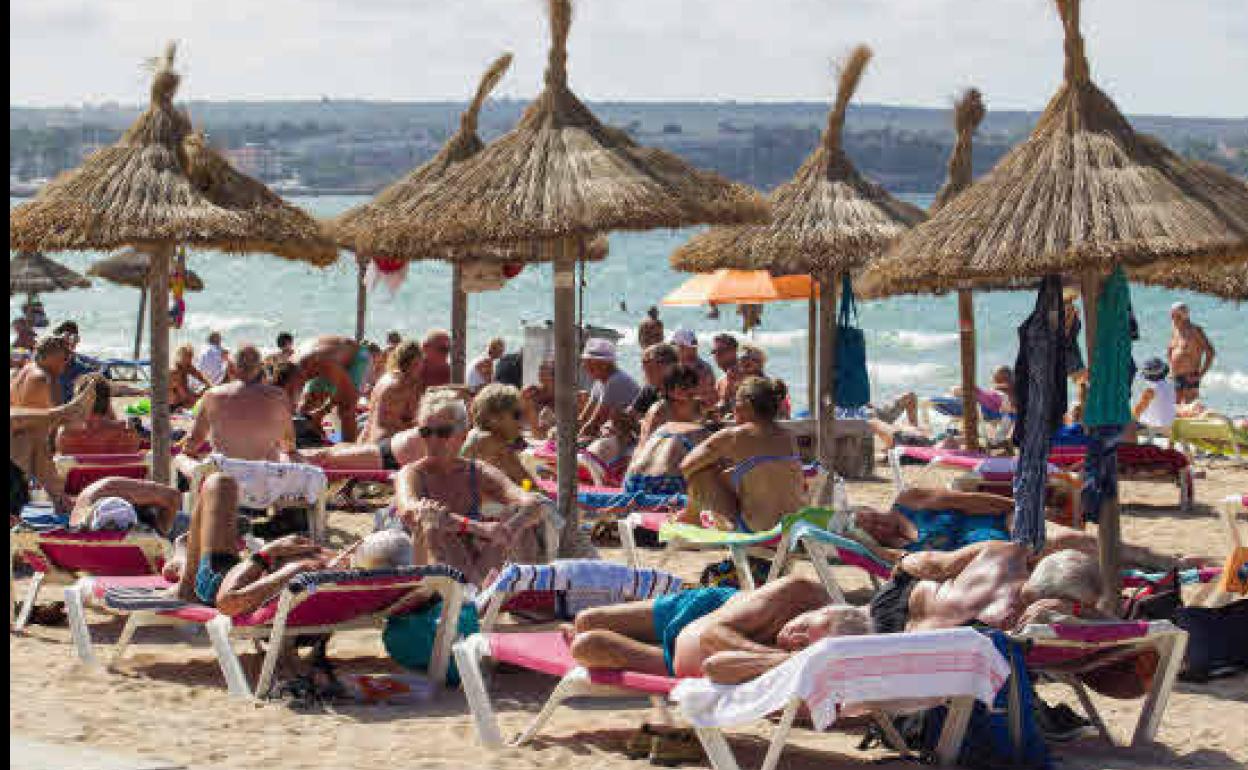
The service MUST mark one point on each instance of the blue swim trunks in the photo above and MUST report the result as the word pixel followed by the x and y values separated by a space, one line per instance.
pixel 638 484
pixel 951 530
pixel 212 569
pixel 675 611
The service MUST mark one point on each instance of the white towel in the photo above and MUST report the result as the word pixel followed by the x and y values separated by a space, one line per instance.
pixel 263 483
pixel 854 670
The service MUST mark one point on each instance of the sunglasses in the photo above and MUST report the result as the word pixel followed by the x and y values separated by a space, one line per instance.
pixel 439 431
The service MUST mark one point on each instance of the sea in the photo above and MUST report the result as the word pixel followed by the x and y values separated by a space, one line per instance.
pixel 912 341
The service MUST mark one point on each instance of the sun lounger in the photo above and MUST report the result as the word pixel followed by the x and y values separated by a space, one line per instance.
pixel 313 603
pixel 1139 462
pixel 253 487
pixel 740 546
pixel 1064 652
pixel 64 557
pixel 830 673
pixel 81 470
pixel 1213 433
pixel 994 427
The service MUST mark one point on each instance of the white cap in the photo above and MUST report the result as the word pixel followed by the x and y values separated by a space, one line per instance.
pixel 685 338
pixel 113 513
pixel 598 349
pixel 1179 306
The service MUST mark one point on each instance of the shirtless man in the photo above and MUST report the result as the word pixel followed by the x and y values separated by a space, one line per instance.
pixel 344 364
pixel 1190 353
pixel 155 505
pixel 37 384
pixel 30 435
pixel 437 349
pixel 246 419
pixel 396 396
pixel 727 635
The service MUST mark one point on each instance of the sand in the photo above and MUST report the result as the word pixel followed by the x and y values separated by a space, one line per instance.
pixel 168 699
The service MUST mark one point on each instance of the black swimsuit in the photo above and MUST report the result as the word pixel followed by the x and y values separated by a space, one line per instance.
pixel 388 460
pixel 890 607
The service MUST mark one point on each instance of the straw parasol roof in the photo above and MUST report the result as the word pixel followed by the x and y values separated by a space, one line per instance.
pixel 1229 282
pixel 1084 191
pixel 130 267
pixel 32 273
pixel 827 218
pixel 560 172
pixel 161 183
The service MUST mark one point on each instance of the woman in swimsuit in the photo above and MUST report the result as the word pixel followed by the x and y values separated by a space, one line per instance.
pixel 498 421
pixel 182 395
pixel 746 477
pixel 655 467
pixel 100 432
pixel 440 499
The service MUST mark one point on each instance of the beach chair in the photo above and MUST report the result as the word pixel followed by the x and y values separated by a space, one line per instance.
pixel 1141 463
pixel 994 427
pixel 81 470
pixel 861 670
pixel 1213 433
pixel 1063 653
pixel 62 556
pixel 312 603
pixel 254 489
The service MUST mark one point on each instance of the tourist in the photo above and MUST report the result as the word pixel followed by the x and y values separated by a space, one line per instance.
pixel 1156 408
pixel 650 330
pixel 77 365
pixel 393 338
pixel 247 419
pixel 37 384
pixel 441 496
pixel 24 336
pixel 481 370
pixel 686 343
pixel 752 362
pixel 538 401
pixel 393 403
pixel 613 390
pixel 1190 354
pixel 724 349
pixel 117 499
pixel 497 433
pixel 343 365
pixel 32 424
pixel 307 427
pixel 655 466
pixel 745 478
pixel 657 363
pixel 285 352
pixel 100 433
pixel 214 361
pixel 182 393
pixel 437 350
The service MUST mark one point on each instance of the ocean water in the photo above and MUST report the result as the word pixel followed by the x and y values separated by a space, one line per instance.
pixel 912 341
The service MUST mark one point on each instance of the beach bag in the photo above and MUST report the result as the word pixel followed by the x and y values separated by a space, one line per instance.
pixel 409 638
pixel 1217 640
pixel 853 384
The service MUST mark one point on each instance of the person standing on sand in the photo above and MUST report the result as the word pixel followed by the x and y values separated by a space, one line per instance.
pixel 213 362
pixel 1190 353
pixel 343 364
pixel 437 350
pixel 650 330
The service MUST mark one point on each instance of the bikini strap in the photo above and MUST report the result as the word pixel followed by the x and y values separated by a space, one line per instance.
pixel 474 484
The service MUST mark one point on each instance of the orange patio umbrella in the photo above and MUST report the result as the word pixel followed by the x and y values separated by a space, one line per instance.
pixel 739 287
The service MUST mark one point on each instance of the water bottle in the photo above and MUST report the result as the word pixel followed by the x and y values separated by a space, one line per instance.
pixel 840 505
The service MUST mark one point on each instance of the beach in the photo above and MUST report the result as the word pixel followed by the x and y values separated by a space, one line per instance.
pixel 65 702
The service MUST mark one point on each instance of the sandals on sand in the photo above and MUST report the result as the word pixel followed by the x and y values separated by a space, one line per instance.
pixel 664 746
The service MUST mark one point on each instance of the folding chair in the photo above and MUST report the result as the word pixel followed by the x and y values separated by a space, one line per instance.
pixel 312 603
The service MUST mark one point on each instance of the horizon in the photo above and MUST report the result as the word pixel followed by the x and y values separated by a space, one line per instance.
pixel 691 51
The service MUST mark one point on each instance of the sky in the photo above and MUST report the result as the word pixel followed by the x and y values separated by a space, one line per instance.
pixel 1175 57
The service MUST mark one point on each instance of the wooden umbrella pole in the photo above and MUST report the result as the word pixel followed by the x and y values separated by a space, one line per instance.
pixel 1108 526
pixel 828 291
pixel 812 352
pixel 138 328
pixel 459 325
pixel 161 439
pixel 966 335
pixel 566 356
pixel 361 298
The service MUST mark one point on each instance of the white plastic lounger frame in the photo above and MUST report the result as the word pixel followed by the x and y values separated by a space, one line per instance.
pixel 739 552
pixel 822 557
pixel 1167 639
pixel 222 631
pixel 1231 508
pixel 196 471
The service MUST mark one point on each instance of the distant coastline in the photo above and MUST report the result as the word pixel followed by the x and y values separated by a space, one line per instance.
pixel 30 192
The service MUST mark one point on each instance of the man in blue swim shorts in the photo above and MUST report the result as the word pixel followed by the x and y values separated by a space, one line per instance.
pixel 727 635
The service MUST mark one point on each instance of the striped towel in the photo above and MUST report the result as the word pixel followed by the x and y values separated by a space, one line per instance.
pixel 603 579
pixel 133 599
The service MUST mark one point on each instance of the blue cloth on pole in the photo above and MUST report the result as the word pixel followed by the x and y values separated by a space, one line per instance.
pixel 1109 386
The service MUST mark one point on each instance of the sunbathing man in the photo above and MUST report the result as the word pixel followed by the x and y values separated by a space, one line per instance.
pixel 247 419
pixel 746 477
pixel 727 635
pixel 343 363
pixel 100 433
pixel 655 467
pixel 152 504
pixel 396 396
pixel 441 498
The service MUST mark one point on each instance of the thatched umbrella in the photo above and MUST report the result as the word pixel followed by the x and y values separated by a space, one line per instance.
pixel 563 177
pixel 30 272
pixel 968 113
pixel 1083 194
pixel 133 267
pixel 1228 282
pixel 827 220
pixel 160 186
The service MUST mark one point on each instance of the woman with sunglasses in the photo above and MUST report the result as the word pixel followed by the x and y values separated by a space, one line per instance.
pixel 442 499
pixel 655 467
pixel 495 438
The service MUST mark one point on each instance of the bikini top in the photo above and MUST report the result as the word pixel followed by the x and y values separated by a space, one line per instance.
pixel 739 471
pixel 474 487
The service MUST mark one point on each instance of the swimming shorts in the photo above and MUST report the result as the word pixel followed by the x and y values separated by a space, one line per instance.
pixel 212 569
pixel 675 611
pixel 890 607
pixel 950 530
pixel 1187 382
pixel 388 460
pixel 639 484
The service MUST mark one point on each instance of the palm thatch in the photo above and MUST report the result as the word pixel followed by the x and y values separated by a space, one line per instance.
pixel 828 218
pixel 1229 281
pixel 1083 192
pixel 161 183
pixel 560 172
pixel 32 273
pixel 130 267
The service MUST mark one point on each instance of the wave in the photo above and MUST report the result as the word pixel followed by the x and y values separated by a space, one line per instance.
pixel 913 375
pixel 917 340
pixel 197 321
pixel 1235 381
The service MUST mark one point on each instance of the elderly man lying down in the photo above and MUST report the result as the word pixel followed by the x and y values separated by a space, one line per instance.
pixel 732 637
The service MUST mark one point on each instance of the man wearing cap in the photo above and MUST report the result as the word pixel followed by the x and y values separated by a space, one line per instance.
pixel 1156 406
pixel 1190 353
pixel 613 390
pixel 115 502
pixel 686 343
pixel 77 365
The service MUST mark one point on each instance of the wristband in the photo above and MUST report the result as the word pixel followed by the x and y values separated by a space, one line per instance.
pixel 463 525
pixel 258 559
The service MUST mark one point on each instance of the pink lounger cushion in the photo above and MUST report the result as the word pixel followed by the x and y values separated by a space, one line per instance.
pixel 79 477
pixel 548 653
pixel 551 488
pixel 363 474
pixel 93 553
pixel 101 585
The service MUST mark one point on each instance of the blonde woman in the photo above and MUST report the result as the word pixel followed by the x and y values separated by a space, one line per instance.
pixel 498 420
pixel 182 395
